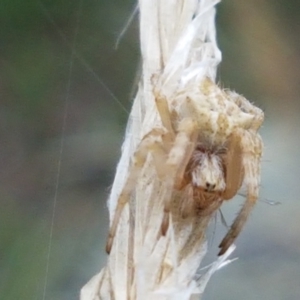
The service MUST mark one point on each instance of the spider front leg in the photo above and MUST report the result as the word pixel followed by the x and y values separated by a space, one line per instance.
pixel 233 166
pixel 150 143
pixel 158 142
pixel 251 145
pixel 177 161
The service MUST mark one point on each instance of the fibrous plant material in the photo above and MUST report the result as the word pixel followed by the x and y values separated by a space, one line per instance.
pixel 189 146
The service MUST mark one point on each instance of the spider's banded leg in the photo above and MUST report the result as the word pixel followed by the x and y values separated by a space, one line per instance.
pixel 233 167
pixel 252 150
pixel 150 143
pixel 177 161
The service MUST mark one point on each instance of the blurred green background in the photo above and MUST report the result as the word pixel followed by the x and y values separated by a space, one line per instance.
pixel 62 82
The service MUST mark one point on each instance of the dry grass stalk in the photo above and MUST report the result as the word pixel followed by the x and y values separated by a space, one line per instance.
pixel 179 51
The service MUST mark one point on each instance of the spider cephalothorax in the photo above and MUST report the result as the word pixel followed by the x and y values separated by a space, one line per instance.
pixel 208 146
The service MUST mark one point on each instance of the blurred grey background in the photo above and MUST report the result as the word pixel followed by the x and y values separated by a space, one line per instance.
pixel 59 69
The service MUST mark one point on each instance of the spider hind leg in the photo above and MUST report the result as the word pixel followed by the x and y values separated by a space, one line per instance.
pixel 150 143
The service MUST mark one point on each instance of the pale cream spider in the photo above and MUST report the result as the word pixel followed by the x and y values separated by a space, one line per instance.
pixel 208 146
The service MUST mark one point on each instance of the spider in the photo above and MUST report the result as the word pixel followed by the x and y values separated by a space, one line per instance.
pixel 208 146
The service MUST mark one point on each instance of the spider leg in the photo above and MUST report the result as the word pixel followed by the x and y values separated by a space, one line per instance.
pixel 150 143
pixel 164 113
pixel 188 205
pixel 252 150
pixel 177 161
pixel 233 167
pixel 248 107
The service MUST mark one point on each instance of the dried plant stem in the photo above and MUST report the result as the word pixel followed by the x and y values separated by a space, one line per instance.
pixel 178 43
